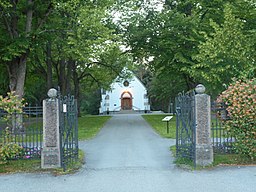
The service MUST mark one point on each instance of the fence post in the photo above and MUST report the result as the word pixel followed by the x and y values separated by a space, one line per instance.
pixel 50 157
pixel 204 149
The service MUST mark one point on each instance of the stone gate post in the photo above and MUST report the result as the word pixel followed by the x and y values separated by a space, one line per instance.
pixel 50 157
pixel 204 149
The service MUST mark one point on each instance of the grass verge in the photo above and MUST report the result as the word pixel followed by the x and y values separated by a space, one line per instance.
pixel 89 126
pixel 183 163
pixel 21 165
pixel 161 127
pixel 232 159
pixel 34 166
pixel 219 160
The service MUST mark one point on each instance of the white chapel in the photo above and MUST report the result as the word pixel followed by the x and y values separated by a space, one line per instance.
pixel 129 94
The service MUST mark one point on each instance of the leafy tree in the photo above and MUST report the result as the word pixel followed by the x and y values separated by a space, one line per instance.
pixel 163 90
pixel 186 36
pixel 57 43
pixel 227 52
pixel 20 22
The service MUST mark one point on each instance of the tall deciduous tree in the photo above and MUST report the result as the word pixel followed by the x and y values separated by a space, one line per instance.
pixel 227 52
pixel 20 20
pixel 62 41
pixel 198 41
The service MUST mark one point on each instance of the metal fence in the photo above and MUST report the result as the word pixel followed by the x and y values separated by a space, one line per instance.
pixel 222 142
pixel 24 129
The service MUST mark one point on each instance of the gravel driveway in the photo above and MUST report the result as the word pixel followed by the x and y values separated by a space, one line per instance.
pixel 128 156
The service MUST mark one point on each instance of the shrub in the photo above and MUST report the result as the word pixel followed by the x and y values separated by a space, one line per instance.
pixel 11 104
pixel 10 151
pixel 240 98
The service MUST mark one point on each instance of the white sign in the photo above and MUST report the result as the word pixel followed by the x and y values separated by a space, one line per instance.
pixel 167 118
pixel 65 108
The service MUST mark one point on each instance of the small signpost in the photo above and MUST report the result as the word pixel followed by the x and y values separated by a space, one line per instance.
pixel 167 119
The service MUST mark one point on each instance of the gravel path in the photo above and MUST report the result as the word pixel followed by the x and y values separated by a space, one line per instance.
pixel 128 156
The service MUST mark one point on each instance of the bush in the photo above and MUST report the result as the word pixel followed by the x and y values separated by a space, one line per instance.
pixel 11 103
pixel 10 151
pixel 240 98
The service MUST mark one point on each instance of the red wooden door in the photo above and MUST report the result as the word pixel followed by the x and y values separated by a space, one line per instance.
pixel 126 104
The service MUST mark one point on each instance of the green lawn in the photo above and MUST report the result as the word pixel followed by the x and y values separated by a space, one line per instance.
pixel 89 126
pixel 161 127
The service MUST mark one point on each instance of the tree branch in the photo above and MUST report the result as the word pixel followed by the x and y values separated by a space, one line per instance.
pixel 94 79
pixel 8 27
pixel 47 13
pixel 54 30
pixel 29 16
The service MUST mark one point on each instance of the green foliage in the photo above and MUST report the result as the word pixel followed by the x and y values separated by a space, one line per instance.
pixel 164 88
pixel 241 98
pixel 90 103
pixel 11 103
pixel 226 52
pixel 187 42
pixel 196 41
pixel 5 4
pixel 83 46
pixel 10 151
pixel 35 89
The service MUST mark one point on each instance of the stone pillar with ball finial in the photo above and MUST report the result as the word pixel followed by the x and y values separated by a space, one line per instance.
pixel 204 149
pixel 50 157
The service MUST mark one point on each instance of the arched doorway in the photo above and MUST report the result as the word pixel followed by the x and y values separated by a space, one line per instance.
pixel 126 101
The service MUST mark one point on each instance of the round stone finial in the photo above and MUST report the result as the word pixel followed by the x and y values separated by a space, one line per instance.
pixel 200 89
pixel 52 93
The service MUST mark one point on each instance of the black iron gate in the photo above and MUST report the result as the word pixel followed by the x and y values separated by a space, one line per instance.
pixel 68 131
pixel 185 125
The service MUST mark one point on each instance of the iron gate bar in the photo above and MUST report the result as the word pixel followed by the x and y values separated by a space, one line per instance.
pixel 68 131
pixel 185 125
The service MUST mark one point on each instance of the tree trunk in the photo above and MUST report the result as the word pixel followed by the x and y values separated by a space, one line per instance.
pixel 49 65
pixel 191 84
pixel 69 73
pixel 76 87
pixel 62 69
pixel 17 74
pixel 29 16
